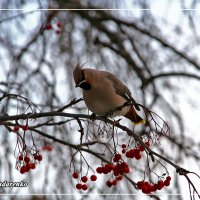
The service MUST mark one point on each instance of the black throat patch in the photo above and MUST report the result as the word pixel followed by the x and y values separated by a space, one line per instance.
pixel 85 86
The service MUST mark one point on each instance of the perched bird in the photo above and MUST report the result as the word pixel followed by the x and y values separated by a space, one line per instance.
pixel 103 93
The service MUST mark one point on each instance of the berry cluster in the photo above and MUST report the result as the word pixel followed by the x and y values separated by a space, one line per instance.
pixel 135 152
pixel 114 182
pixel 38 156
pixel 83 180
pixel 26 163
pixel 56 28
pixel 23 127
pixel 148 188
pixel 117 169
pixel 47 147
pixel 26 151
pixel 119 166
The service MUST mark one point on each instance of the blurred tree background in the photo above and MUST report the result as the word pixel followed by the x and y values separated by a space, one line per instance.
pixel 155 52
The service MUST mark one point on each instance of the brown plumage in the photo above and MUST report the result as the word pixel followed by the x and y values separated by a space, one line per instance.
pixel 103 93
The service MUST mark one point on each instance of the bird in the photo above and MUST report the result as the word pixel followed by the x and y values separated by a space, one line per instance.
pixel 103 93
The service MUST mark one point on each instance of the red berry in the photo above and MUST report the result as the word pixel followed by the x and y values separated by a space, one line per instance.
pixel 148 143
pixel 105 170
pixel 36 157
pixel 126 170
pixel 166 183
pixel 141 148
pixel 128 154
pixel 160 185
pixel 111 166
pixel 84 179
pixel 78 186
pixel 138 156
pixel 99 170
pixel 84 187
pixel 168 178
pixel 50 148
pixel 27 159
pixel 108 183
pixel 120 177
pixel 140 184
pixel 116 173
pixel 75 175
pixel 23 169
pixel 32 165
pixel 149 187
pixel 39 157
pixel 20 158
pixel 16 129
pixel 117 170
pixel 114 182
pixel 124 164
pixel 57 32
pixel 25 128
pixel 123 146
pixel 59 24
pixel 123 151
pixel 154 188
pixel 108 168
pixel 117 167
pixel 145 189
pixel 27 167
pixel 117 157
pixel 136 150
pixel 132 153
pixel 48 27
pixel 47 148
pixel 93 178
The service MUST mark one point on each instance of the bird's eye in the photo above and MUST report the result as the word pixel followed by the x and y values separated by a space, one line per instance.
pixel 85 86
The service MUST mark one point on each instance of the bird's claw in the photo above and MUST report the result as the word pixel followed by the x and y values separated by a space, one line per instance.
pixel 93 116
pixel 105 118
pixel 116 122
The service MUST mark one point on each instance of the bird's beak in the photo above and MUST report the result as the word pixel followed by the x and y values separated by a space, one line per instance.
pixel 78 84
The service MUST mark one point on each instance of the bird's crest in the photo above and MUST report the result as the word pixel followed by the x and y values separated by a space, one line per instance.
pixel 77 73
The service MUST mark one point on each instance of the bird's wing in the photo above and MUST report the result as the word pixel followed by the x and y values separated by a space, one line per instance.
pixel 121 89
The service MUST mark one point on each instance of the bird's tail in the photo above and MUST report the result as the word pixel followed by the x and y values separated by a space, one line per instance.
pixel 134 117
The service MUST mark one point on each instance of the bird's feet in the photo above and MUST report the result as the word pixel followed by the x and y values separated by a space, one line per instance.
pixel 116 122
pixel 93 116
pixel 105 118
